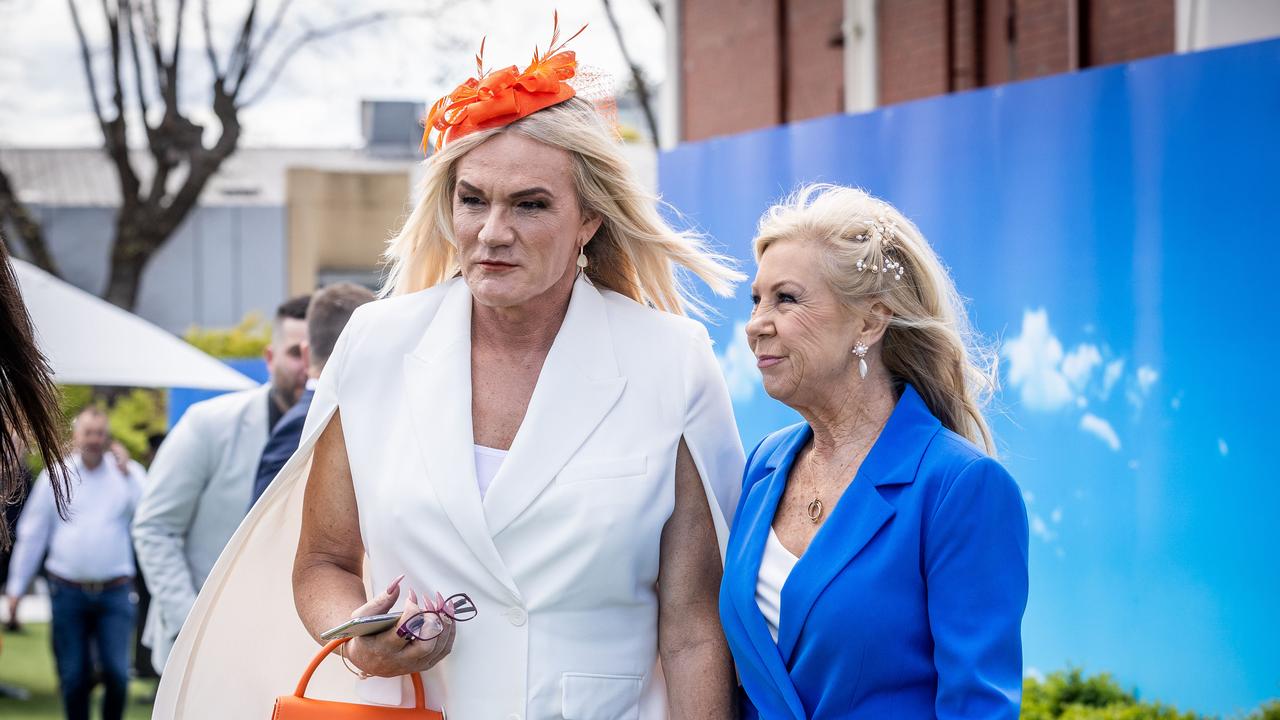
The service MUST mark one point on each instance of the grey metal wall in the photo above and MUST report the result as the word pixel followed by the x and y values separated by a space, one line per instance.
pixel 224 262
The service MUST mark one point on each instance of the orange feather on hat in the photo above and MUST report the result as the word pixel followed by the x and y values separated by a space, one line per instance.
pixel 503 96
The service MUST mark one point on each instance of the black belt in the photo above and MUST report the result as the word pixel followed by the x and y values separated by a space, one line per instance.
pixel 96 586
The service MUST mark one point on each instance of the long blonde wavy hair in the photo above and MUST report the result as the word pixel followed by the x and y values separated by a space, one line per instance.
pixel 635 252
pixel 929 342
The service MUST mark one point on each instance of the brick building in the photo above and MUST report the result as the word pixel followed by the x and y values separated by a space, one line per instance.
pixel 747 64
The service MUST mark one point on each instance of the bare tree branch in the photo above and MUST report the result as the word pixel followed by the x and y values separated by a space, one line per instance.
pixel 115 130
pixel 177 33
pixel 151 31
pixel 126 10
pixel 88 63
pixel 113 34
pixel 166 72
pixel 238 65
pixel 28 230
pixel 272 28
pixel 208 40
pixel 316 34
pixel 637 76
pixel 171 67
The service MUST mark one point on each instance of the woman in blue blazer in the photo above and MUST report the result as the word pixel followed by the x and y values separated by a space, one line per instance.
pixel 877 565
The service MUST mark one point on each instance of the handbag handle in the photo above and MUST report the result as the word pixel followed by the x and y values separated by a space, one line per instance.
pixel 419 694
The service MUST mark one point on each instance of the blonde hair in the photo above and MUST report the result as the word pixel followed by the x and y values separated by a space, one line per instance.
pixel 634 253
pixel 929 342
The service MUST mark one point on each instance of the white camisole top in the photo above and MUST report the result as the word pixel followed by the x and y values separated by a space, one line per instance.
pixel 775 568
pixel 488 461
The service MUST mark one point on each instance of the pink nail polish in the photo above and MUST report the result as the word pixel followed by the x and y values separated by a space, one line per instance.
pixel 439 601
pixel 413 596
pixel 392 587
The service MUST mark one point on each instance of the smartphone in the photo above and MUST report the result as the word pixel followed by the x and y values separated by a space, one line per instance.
pixel 356 627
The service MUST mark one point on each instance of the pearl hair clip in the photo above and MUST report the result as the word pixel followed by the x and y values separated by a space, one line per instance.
pixel 884 230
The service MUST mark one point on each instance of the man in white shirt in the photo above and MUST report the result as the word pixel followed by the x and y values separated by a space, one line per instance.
pixel 89 564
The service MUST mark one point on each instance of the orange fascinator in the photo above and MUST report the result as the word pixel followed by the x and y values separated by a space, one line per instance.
pixel 503 96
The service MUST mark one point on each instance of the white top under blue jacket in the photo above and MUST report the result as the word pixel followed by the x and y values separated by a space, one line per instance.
pixel 907 604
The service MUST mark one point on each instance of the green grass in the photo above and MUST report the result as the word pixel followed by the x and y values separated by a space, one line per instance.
pixel 26 661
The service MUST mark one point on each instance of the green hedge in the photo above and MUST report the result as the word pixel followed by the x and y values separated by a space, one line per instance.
pixel 134 415
pixel 1069 695
pixel 246 340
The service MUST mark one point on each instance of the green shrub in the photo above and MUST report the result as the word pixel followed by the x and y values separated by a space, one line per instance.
pixel 1270 710
pixel 1070 695
pixel 246 340
pixel 137 416
pixel 133 415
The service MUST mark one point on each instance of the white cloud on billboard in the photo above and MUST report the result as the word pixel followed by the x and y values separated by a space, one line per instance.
pixel 1035 359
pixel 1100 429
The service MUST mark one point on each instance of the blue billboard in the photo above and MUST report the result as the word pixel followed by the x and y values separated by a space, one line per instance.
pixel 1117 232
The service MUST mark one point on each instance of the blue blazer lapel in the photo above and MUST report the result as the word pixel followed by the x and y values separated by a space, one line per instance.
pixel 859 514
pixel 744 554
pixel 856 519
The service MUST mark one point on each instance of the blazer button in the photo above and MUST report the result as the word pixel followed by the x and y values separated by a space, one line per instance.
pixel 517 616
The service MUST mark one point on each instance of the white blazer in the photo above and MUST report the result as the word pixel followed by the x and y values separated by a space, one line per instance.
pixel 201 483
pixel 561 555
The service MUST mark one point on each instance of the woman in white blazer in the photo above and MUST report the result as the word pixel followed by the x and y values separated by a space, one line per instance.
pixel 529 420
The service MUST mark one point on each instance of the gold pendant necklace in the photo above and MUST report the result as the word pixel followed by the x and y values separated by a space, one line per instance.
pixel 815 510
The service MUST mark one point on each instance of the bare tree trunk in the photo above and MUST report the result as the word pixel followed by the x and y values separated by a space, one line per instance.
pixel 26 229
pixel 129 256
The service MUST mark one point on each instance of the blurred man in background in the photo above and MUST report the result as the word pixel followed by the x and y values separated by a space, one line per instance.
pixel 327 315
pixel 89 564
pixel 202 480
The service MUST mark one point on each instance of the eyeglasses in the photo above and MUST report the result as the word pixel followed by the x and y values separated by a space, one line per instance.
pixel 427 625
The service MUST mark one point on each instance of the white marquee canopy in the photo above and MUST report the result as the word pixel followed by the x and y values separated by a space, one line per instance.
pixel 89 341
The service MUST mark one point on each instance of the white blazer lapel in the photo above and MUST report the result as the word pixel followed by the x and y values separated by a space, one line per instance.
pixel 577 387
pixel 438 380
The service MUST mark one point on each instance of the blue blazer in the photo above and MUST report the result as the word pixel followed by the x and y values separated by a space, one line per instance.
pixel 907 604
pixel 281 444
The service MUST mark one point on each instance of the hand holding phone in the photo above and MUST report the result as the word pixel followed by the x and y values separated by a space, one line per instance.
pixel 360 626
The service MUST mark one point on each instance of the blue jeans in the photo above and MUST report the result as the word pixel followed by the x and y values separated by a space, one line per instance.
pixel 89 626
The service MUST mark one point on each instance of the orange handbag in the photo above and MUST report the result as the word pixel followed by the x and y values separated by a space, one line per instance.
pixel 299 707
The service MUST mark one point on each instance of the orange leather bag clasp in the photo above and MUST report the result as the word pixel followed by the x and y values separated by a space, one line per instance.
pixel 299 707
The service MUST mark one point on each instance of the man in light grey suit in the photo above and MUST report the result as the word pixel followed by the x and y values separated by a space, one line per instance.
pixel 201 482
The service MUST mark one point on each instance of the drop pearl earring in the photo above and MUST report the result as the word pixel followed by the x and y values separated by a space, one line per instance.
pixel 861 351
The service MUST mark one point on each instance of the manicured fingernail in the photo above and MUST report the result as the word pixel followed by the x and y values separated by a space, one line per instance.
pixel 413 596
pixel 394 583
pixel 439 601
